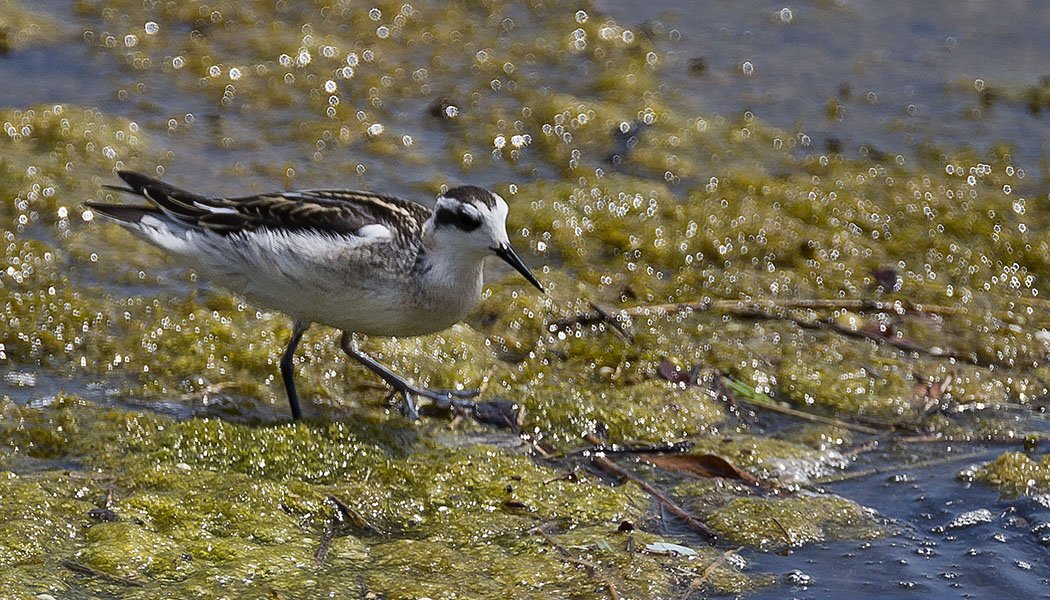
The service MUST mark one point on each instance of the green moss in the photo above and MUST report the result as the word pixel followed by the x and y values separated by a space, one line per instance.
pixel 438 508
pixel 127 549
pixel 1016 474
pixel 768 523
pixel 648 411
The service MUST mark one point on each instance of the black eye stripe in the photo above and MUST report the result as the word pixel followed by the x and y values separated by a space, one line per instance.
pixel 461 219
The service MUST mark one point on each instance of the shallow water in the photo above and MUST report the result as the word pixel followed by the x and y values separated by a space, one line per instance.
pixel 900 73
pixel 743 156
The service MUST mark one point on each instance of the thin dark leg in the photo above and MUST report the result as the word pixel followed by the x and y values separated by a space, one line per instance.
pixel 441 398
pixel 287 369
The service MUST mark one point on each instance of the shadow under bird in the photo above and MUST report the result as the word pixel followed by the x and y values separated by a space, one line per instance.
pixel 357 261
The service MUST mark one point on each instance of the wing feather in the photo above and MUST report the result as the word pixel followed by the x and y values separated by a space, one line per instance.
pixel 336 212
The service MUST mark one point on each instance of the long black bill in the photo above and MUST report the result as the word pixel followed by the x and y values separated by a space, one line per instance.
pixel 505 252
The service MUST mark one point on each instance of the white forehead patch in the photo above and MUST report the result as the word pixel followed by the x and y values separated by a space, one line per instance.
pixel 501 209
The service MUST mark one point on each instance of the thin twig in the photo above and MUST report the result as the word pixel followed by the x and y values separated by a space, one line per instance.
pixel 82 568
pixel 900 344
pixel 775 407
pixel 862 449
pixel 790 539
pixel 900 467
pixel 757 310
pixel 326 542
pixel 614 469
pixel 607 317
pixel 896 307
pixel 486 379
pixel 354 517
pixel 672 448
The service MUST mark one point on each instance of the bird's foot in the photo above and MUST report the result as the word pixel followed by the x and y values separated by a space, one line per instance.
pixel 443 399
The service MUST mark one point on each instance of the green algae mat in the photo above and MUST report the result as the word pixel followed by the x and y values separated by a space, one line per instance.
pixel 715 287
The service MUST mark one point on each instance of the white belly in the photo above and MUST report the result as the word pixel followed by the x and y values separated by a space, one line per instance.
pixel 360 286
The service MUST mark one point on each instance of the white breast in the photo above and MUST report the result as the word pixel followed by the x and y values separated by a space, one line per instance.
pixel 362 283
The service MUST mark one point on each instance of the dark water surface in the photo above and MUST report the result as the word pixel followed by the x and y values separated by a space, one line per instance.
pixel 953 540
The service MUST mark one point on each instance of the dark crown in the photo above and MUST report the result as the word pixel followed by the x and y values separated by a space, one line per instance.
pixel 472 194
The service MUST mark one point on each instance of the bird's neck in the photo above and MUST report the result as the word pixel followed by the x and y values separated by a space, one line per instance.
pixel 450 274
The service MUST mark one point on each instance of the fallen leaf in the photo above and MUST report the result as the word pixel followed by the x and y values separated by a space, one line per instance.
pixel 702 465
pixel 671 373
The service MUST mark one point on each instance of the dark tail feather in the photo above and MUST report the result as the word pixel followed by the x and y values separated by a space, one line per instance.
pixel 145 185
pixel 122 214
pixel 117 188
pixel 175 202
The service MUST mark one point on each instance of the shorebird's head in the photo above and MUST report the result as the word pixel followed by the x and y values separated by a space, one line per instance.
pixel 474 220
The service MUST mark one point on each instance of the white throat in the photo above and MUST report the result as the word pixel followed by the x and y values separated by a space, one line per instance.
pixel 450 281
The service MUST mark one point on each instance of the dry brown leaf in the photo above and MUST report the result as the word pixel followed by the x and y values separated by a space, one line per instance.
pixel 702 465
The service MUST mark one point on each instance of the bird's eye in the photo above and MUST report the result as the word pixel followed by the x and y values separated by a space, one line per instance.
pixel 461 218
pixel 467 220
